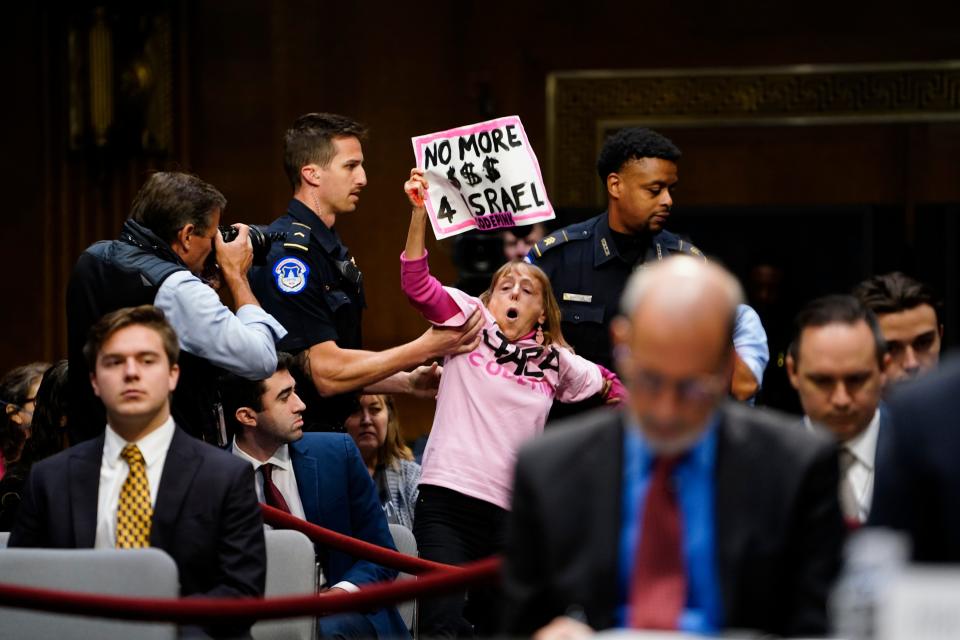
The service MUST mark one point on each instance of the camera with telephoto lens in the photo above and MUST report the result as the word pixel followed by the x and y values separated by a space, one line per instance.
pixel 260 240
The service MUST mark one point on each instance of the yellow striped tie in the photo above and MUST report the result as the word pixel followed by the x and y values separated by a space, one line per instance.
pixel 134 512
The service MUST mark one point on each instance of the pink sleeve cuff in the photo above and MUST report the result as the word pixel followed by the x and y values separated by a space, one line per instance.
pixel 617 391
pixel 425 292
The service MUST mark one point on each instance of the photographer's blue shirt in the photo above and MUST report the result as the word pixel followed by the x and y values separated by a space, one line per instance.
pixel 694 479
pixel 750 343
pixel 242 343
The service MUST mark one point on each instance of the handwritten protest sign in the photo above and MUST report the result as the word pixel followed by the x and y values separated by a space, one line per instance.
pixel 482 176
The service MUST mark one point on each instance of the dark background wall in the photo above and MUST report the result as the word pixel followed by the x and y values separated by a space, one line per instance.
pixel 852 196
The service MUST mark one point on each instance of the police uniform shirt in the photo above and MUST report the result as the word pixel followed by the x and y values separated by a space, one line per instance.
pixel 588 275
pixel 312 286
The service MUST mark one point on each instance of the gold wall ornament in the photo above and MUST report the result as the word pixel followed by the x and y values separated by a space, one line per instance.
pixel 100 61
pixel 120 82
pixel 583 107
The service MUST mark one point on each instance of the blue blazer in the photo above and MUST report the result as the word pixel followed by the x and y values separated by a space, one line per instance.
pixel 338 494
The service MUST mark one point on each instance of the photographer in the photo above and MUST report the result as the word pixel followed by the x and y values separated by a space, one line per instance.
pixel 163 248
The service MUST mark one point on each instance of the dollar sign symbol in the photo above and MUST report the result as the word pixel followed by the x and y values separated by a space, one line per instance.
pixel 488 168
pixel 452 177
pixel 468 175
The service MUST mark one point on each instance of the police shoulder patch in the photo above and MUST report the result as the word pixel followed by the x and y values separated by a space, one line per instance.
pixel 554 240
pixel 290 274
pixel 689 249
pixel 297 237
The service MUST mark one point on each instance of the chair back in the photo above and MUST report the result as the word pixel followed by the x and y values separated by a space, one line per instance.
pixel 149 573
pixel 291 570
pixel 406 543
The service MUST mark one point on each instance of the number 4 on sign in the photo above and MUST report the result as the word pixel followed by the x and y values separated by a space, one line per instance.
pixel 446 211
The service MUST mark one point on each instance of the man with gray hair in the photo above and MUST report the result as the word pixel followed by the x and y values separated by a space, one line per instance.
pixel 685 511
pixel 164 248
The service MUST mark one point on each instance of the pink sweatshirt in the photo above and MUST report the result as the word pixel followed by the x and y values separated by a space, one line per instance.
pixel 491 400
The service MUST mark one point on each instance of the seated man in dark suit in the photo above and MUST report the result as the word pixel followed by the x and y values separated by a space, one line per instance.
pixel 918 478
pixel 837 363
pixel 685 511
pixel 319 477
pixel 144 481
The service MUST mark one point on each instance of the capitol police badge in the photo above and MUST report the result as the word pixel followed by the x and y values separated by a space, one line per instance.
pixel 291 274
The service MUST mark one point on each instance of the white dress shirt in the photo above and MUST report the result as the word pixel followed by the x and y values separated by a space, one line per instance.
pixel 286 482
pixel 114 471
pixel 861 473
pixel 282 476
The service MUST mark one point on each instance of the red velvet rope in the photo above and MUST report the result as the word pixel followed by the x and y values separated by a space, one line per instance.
pixel 356 548
pixel 443 578
pixel 208 610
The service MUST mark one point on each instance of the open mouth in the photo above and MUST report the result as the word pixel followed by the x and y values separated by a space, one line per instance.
pixel 512 314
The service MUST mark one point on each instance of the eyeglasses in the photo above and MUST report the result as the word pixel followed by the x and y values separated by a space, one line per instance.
pixel 20 408
pixel 697 390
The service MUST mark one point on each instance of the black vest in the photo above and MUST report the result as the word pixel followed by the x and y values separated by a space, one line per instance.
pixel 128 272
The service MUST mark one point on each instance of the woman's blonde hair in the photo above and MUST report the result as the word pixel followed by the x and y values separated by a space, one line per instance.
pixel 393 447
pixel 552 333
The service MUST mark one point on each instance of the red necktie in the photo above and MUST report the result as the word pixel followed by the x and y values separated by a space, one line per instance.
pixel 658 591
pixel 271 494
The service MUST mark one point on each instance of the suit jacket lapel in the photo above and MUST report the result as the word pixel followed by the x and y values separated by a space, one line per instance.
pixel 883 440
pixel 733 481
pixel 305 470
pixel 84 470
pixel 608 472
pixel 179 469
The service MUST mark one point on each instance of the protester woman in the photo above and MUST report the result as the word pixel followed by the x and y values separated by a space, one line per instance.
pixel 489 403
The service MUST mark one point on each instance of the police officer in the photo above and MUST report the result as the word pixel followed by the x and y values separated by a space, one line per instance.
pixel 313 285
pixel 161 251
pixel 589 263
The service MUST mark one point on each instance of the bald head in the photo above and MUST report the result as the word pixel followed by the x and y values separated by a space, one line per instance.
pixel 683 284
pixel 675 347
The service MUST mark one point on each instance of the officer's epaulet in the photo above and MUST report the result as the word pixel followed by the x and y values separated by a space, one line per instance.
pixel 297 237
pixel 558 238
pixel 690 249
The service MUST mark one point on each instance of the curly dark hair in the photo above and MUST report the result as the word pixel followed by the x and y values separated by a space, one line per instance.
pixel 633 144
pixel 895 292
pixel 237 392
